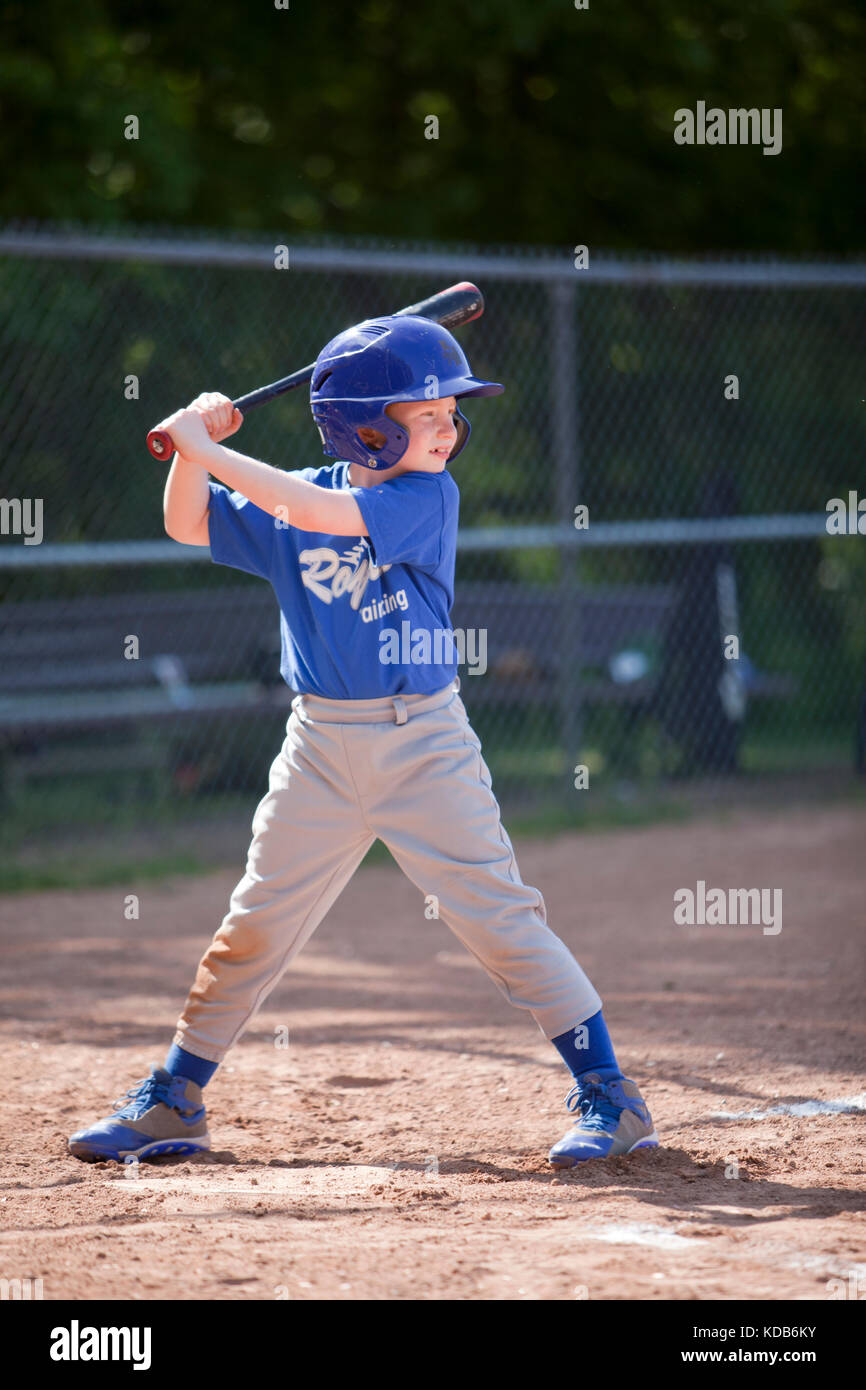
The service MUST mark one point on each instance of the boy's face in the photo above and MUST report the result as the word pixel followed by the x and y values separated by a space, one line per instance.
pixel 432 435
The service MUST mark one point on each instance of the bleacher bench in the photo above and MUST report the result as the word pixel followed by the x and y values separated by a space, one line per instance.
pixel 216 651
pixel 62 664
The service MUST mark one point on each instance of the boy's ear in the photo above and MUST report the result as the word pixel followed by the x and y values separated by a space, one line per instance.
pixel 373 439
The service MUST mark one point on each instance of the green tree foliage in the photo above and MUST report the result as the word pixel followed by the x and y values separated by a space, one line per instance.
pixel 555 124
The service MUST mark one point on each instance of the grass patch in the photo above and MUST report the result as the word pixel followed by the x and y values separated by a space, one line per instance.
pixel 96 872
pixel 609 813
pixel 93 831
pixel 789 755
pixel 103 861
pixel 549 819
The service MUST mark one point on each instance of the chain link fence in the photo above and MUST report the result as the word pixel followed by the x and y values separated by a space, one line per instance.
pixel 644 558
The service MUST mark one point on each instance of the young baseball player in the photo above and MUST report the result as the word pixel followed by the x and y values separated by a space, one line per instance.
pixel 374 748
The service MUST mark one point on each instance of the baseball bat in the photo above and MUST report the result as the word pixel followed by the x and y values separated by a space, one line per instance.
pixel 453 307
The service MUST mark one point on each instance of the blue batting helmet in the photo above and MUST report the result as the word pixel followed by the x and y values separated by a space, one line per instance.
pixel 397 358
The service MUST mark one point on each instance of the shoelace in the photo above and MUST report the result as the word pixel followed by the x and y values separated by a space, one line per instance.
pixel 141 1097
pixel 593 1101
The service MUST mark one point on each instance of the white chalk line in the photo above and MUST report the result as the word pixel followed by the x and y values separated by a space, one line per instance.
pixel 802 1110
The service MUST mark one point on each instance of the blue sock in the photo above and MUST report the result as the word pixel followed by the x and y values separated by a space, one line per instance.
pixel 587 1047
pixel 196 1069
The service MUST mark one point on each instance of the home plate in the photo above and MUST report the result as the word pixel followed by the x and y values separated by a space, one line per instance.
pixel 638 1233
pixel 345 1180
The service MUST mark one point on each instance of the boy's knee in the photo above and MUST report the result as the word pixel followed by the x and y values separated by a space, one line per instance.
pixel 237 940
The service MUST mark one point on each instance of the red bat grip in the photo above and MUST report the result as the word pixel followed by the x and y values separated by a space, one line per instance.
pixel 160 445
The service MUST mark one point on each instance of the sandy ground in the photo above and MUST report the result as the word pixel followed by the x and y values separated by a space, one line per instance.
pixel 397 1147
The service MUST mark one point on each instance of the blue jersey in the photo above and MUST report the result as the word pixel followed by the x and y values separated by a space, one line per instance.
pixel 360 617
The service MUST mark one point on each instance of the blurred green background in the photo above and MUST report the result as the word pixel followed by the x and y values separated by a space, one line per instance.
pixel 555 124
pixel 307 125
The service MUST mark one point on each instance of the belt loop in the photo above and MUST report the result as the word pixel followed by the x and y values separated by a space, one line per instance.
pixel 400 715
pixel 298 708
pixel 456 685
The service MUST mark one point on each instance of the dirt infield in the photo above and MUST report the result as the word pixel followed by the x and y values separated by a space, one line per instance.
pixel 396 1148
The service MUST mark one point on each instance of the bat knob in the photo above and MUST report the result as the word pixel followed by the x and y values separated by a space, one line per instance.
pixel 159 443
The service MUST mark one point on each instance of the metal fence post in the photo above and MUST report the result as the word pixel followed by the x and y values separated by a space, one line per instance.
pixel 564 407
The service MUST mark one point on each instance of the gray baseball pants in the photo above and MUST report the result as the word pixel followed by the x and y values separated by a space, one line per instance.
pixel 407 770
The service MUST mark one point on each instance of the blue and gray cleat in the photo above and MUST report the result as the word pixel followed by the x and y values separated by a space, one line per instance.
pixel 614 1119
pixel 163 1114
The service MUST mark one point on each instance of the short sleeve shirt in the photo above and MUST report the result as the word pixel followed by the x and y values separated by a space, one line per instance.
pixel 360 617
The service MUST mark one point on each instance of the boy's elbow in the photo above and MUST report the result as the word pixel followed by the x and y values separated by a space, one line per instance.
pixel 190 535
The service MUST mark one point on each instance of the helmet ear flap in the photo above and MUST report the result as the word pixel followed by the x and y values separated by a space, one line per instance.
pixel 463 429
